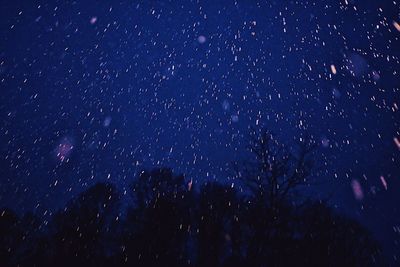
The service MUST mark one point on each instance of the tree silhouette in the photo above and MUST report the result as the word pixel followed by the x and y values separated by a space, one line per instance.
pixel 161 212
pixel 79 231
pixel 10 236
pixel 330 239
pixel 167 221
pixel 275 171
pixel 219 234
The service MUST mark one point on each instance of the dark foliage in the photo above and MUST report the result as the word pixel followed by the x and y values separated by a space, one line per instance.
pixel 174 226
pixel 168 222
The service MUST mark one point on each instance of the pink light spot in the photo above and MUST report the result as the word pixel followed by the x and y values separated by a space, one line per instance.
pixel 201 39
pixel 397 142
pixel 357 190
pixel 384 183
pixel 93 20
pixel 64 149
pixel 190 184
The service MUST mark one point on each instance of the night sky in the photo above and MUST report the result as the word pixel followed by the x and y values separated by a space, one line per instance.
pixel 99 90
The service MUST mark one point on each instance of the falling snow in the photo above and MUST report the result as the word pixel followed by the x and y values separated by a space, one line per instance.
pixel 101 91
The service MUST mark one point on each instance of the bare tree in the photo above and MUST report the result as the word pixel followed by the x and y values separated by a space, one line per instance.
pixel 275 171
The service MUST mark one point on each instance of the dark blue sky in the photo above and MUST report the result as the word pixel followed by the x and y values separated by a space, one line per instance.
pixel 97 90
